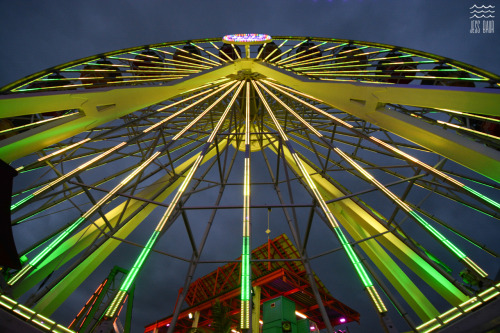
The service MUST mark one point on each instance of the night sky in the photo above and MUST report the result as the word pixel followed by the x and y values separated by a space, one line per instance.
pixel 36 35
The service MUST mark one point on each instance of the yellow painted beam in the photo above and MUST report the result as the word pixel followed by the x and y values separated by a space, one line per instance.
pixel 367 101
pixel 349 214
pixel 97 107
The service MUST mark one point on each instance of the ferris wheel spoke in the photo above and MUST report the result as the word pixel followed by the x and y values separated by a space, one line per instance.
pixel 76 224
pixel 396 276
pixel 104 106
pixel 119 146
pixel 128 214
pixel 369 287
pixel 469 191
pixel 466 152
pixel 401 204
pixel 164 222
pixel 400 249
pixel 51 203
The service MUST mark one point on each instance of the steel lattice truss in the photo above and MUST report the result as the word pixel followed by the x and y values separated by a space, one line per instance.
pixel 373 140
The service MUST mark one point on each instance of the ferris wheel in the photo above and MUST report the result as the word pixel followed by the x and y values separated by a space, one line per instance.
pixel 394 150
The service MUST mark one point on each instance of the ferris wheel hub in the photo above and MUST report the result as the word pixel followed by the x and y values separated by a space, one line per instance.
pixel 247 39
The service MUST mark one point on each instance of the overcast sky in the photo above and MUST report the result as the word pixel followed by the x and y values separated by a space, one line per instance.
pixel 39 34
pixel 36 35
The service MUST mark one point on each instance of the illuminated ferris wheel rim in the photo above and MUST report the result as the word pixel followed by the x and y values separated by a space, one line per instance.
pixel 468 67
pixel 238 77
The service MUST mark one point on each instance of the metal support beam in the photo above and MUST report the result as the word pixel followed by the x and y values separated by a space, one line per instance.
pixel 367 101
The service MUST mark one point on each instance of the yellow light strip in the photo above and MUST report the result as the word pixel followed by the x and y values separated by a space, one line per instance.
pixel 270 54
pixel 139 169
pixel 261 49
pixel 37 123
pixel 81 167
pixel 187 107
pixel 459 310
pixel 283 53
pixel 446 124
pixel 305 61
pixel 290 58
pixel 301 315
pixel 200 58
pixel 206 51
pixel 379 304
pixel 217 48
pixel 63 149
pixel 201 115
pixel 32 316
pixel 198 161
pixel 236 51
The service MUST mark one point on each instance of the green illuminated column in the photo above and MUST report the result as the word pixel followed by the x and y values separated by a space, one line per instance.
pixel 246 284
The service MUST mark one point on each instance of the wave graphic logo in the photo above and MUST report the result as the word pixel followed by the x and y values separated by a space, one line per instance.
pixel 483 11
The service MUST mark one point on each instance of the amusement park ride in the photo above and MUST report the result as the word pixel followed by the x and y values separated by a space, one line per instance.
pixel 387 155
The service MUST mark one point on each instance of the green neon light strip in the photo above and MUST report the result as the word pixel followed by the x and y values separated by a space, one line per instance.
pixel 436 233
pixel 245 252
pixel 485 198
pixel 20 202
pixel 140 261
pixel 111 311
pixel 354 258
pixel 245 270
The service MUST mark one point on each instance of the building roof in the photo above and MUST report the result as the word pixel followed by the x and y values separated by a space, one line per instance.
pixel 284 275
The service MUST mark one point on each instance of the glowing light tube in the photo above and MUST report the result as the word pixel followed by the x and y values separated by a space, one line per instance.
pixel 109 151
pixel 246 286
pixel 120 296
pixel 358 266
pixel 276 49
pixel 56 242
